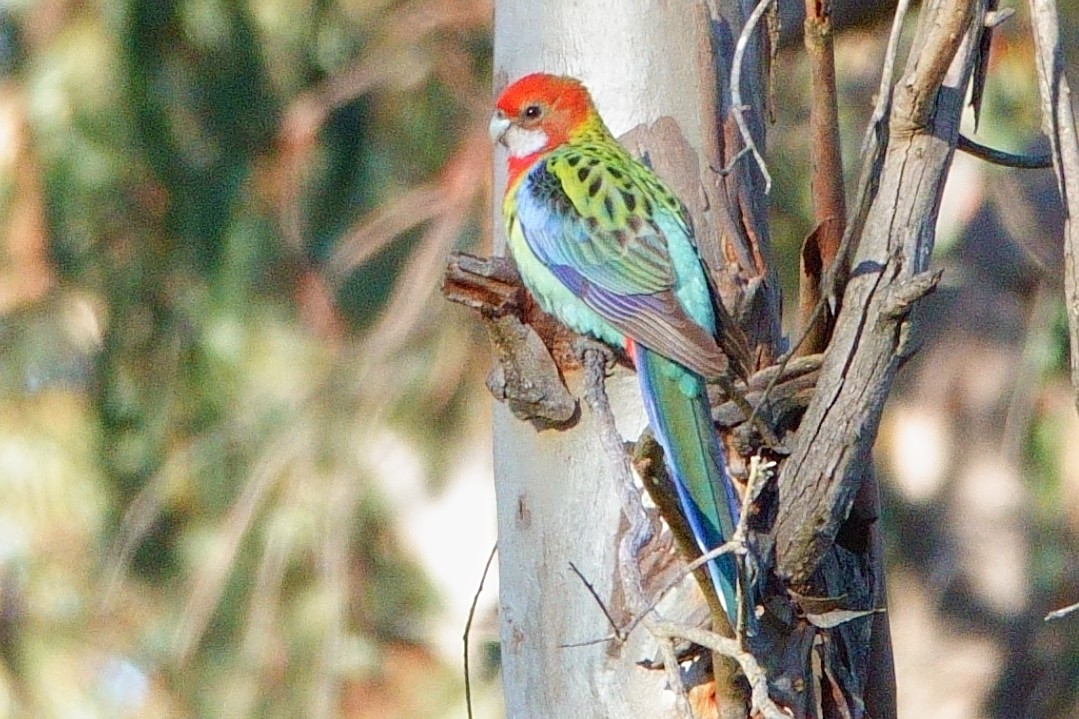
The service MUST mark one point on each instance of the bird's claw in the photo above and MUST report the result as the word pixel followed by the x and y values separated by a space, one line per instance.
pixel 582 346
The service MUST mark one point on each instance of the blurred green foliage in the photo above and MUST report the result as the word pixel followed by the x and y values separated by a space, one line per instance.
pixel 222 227
pixel 193 523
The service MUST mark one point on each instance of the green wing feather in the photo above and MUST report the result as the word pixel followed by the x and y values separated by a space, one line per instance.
pixel 608 249
pixel 605 227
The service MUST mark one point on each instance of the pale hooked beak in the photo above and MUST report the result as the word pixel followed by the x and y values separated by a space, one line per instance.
pixel 500 125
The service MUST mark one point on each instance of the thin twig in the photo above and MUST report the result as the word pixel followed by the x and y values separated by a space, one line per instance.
pixel 758 680
pixel 1002 158
pixel 870 157
pixel 468 626
pixel 1062 612
pixel 640 531
pixel 737 107
pixel 760 471
pixel 725 171
pixel 731 547
pixel 618 633
pixel 887 77
pixel 612 637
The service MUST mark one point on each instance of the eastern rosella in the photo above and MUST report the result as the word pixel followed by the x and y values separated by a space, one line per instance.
pixel 607 248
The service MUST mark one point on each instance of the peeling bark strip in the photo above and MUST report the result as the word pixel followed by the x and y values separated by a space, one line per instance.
pixel 827 180
pixel 815 316
pixel 821 248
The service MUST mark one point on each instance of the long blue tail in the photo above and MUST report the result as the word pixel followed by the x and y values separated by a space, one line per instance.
pixel 677 406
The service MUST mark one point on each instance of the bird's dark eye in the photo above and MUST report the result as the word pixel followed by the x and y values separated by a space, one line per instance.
pixel 532 112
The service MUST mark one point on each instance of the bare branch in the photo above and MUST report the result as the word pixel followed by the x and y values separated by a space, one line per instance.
pixel 887 75
pixel 724 646
pixel 1062 612
pixel 468 627
pixel 833 446
pixel 1002 158
pixel 917 93
pixel 737 107
pixel 618 633
pixel 1058 122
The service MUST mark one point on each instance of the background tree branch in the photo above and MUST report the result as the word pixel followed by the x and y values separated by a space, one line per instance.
pixel 832 448
pixel 830 467
pixel 1058 123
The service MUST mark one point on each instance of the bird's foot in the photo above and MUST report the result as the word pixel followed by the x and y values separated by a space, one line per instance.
pixel 753 415
pixel 584 346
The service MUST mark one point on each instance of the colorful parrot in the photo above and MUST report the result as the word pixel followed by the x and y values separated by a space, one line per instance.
pixel 607 248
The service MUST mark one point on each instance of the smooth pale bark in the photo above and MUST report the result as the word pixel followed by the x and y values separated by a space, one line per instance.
pixel 557 498
pixel 558 503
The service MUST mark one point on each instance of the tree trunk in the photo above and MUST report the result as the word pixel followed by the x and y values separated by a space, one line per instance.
pixel 557 496
pixel 557 504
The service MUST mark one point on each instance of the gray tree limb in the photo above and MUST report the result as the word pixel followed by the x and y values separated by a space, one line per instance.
pixel 829 470
pixel 1058 123
pixel 873 334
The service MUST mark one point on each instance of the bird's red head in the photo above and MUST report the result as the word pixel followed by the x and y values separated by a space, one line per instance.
pixel 538 113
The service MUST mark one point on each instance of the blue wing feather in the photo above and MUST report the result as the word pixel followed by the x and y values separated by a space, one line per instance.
pixel 632 270
pixel 645 280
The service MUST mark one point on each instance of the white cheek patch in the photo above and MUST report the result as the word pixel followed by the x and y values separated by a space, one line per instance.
pixel 522 143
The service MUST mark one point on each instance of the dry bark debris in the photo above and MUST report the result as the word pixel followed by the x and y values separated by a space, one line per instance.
pixel 527 342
